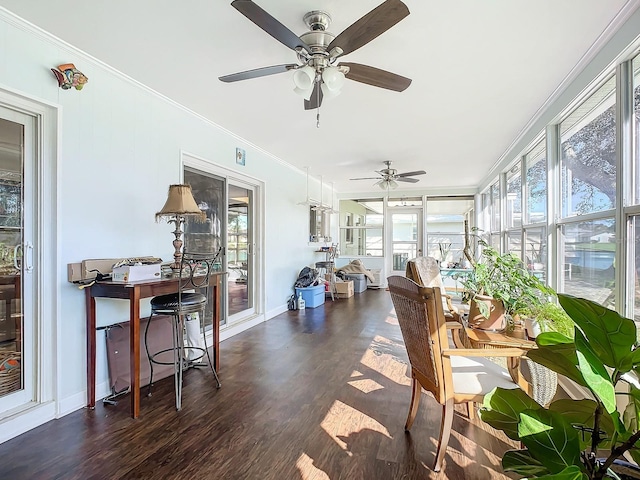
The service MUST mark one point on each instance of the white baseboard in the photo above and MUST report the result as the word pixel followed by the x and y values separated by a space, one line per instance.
pixel 26 420
pixel 276 311
pixel 239 327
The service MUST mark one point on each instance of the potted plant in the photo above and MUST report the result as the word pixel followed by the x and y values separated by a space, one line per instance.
pixel 546 317
pixel 576 439
pixel 500 285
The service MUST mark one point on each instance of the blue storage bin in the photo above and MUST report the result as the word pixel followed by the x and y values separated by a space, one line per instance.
pixel 359 281
pixel 313 296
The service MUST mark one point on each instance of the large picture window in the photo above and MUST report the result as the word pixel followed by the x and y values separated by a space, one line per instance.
pixel 588 154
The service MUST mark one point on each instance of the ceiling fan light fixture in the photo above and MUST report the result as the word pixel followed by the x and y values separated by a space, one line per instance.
pixel 333 78
pixel 327 92
pixel 388 184
pixel 306 94
pixel 304 78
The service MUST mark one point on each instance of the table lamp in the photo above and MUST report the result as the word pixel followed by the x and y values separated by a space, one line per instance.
pixel 180 203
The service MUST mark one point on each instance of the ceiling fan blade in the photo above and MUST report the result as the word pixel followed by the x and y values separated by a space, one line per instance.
pixel 316 98
pixel 376 77
pixel 269 24
pixel 258 72
pixel 411 174
pixel 373 24
pixel 407 179
pixel 365 178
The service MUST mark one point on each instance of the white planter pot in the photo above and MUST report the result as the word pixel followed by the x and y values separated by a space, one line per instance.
pixel 532 327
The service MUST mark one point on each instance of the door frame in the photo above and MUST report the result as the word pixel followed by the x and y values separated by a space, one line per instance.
pixel 419 211
pixel 191 160
pixel 46 308
pixel 252 310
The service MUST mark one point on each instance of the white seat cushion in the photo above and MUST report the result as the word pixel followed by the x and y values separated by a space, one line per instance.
pixel 478 375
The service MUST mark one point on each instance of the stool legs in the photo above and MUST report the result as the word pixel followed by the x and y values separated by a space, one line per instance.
pixel 180 362
pixel 206 349
pixel 178 348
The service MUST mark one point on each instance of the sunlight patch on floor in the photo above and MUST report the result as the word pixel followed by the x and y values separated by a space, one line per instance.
pixel 382 357
pixel 470 450
pixel 366 385
pixel 343 423
pixel 308 471
pixel 392 318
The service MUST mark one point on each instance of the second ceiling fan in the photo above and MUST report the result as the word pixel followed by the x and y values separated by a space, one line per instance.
pixel 317 75
pixel 389 177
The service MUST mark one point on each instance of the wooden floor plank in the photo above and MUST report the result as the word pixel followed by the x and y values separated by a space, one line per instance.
pixel 309 395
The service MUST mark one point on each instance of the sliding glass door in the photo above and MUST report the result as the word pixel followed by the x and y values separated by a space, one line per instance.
pixel 229 206
pixel 18 341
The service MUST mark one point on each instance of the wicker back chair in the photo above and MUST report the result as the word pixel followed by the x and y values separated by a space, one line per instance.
pixel 451 375
pixel 425 271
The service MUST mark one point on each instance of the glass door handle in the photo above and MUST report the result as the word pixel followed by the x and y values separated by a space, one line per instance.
pixel 29 256
pixel 17 255
pixel 20 252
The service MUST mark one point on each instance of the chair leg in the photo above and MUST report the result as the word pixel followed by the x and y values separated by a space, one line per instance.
pixel 206 349
pixel 471 410
pixel 445 433
pixel 416 391
pixel 146 347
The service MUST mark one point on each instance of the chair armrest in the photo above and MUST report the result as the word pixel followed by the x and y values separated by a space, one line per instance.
pixel 490 340
pixel 453 325
pixel 479 352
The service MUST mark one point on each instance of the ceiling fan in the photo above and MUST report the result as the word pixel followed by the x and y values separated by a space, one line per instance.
pixel 389 177
pixel 316 74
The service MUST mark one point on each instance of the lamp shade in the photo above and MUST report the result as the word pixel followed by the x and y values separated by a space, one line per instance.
pixel 180 201
pixel 304 77
pixel 333 78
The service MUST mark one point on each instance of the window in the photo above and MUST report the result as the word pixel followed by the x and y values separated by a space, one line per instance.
pixel 535 164
pixel 588 154
pixel 636 126
pixel 494 208
pixel 445 229
pixel 514 198
pixel 361 227
pixel 588 251
pixel 535 251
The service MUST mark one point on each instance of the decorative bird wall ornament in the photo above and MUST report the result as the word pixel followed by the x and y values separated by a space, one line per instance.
pixel 69 76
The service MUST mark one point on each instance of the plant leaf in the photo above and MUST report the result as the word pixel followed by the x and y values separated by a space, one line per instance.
pixel 569 473
pixel 522 463
pixel 582 412
pixel 557 355
pixel 553 338
pixel 550 439
pixel 610 335
pixel 501 409
pixel 595 374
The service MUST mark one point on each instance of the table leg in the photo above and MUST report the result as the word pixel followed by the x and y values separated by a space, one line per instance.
pixel 134 349
pixel 90 305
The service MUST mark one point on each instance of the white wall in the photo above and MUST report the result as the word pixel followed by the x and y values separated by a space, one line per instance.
pixel 119 149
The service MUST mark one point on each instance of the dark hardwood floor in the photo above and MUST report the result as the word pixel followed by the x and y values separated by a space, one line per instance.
pixel 316 394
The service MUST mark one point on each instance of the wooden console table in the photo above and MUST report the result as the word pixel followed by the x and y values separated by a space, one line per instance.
pixel 133 292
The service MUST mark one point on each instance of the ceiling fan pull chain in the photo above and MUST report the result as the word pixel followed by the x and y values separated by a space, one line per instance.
pixel 318 118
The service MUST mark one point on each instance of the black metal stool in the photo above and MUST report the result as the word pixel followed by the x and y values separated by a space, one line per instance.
pixel 195 270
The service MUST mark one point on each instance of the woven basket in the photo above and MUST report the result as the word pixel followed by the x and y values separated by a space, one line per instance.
pixel 10 378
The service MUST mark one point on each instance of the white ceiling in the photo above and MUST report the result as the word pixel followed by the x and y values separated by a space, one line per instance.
pixel 480 70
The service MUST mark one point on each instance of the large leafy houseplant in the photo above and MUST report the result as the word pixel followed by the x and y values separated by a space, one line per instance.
pixel 506 279
pixel 575 439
